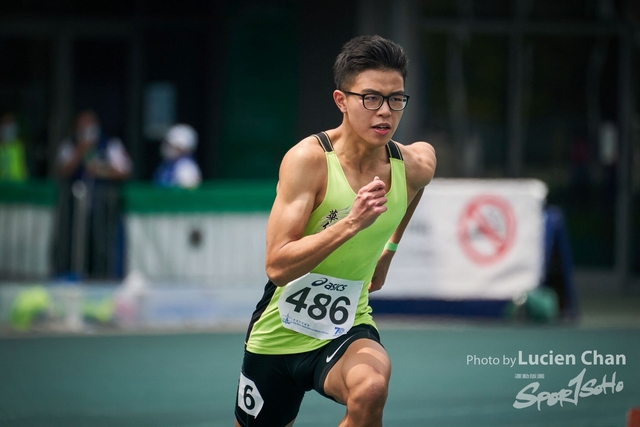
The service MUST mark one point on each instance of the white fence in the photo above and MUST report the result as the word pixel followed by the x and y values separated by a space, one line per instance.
pixel 25 241
pixel 219 250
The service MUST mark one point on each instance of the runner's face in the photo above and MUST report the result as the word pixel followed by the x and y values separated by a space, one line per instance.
pixel 374 126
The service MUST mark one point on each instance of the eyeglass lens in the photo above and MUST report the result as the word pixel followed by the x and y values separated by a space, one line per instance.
pixel 373 101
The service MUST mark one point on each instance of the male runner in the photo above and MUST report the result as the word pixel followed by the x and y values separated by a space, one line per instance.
pixel 344 198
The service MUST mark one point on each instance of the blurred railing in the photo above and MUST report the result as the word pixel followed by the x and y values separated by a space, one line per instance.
pixel 77 231
pixel 89 235
pixel 50 230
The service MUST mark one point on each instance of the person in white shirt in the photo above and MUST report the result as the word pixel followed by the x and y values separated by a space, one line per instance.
pixel 178 168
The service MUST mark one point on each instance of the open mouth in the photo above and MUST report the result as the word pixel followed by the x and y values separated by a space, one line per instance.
pixel 382 127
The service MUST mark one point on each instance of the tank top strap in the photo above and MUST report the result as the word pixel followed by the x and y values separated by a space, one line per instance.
pixel 394 150
pixel 324 141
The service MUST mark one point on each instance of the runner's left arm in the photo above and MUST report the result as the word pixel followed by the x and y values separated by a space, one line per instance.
pixel 420 164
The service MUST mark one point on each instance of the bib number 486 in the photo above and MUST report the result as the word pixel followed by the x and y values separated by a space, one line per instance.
pixel 322 304
pixel 321 312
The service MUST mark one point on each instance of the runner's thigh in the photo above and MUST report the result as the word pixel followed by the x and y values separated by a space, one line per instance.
pixel 267 395
pixel 333 353
pixel 363 360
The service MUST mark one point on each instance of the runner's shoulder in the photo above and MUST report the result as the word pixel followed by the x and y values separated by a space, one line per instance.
pixel 306 153
pixel 420 162
pixel 304 163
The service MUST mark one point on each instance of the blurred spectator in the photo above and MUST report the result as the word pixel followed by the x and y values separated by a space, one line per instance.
pixel 89 154
pixel 13 165
pixel 178 168
pixel 90 241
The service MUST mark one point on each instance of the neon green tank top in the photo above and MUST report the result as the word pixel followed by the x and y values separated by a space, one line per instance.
pixel 13 165
pixel 356 259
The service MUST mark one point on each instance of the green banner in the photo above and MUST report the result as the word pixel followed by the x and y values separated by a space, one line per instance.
pixel 213 196
pixel 32 192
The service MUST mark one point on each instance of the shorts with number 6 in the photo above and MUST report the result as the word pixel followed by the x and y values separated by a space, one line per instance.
pixel 271 387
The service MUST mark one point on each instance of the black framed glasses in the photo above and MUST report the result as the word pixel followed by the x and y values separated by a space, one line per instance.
pixel 373 101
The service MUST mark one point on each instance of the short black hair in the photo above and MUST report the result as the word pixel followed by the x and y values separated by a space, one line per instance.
pixel 367 53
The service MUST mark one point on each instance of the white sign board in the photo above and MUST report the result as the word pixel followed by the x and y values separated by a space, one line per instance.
pixel 221 250
pixel 471 239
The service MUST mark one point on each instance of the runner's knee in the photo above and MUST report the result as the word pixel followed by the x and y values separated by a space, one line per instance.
pixel 369 394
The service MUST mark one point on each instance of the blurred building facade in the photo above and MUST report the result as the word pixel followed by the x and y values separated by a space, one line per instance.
pixel 502 88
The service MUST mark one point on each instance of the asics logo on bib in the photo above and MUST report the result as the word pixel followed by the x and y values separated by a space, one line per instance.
pixel 328 285
pixel 319 282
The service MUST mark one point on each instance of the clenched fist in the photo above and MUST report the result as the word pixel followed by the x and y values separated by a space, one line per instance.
pixel 369 204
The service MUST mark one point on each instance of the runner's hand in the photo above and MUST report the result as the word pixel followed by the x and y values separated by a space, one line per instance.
pixel 380 273
pixel 369 204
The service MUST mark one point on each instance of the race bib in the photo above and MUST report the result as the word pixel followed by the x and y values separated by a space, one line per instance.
pixel 249 398
pixel 319 306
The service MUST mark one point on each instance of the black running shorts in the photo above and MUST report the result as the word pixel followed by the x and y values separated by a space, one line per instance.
pixel 271 387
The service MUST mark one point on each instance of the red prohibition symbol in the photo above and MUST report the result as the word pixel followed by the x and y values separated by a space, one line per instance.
pixel 486 229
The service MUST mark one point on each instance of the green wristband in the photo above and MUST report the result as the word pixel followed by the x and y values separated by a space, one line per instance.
pixel 390 246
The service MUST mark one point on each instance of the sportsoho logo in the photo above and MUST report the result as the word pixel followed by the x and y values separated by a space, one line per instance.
pixel 577 387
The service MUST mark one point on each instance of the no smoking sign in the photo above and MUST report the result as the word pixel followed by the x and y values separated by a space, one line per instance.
pixel 486 229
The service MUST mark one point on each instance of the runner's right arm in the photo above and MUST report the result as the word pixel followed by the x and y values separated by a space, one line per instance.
pixel 302 182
